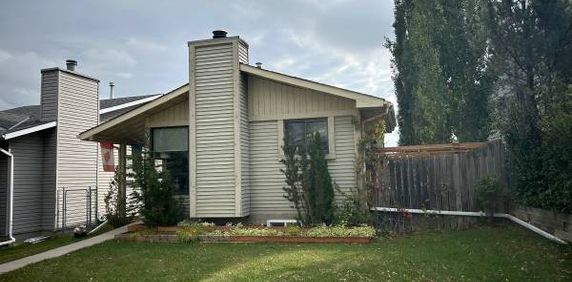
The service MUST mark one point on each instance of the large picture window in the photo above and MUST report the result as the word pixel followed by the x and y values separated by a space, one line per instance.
pixel 299 132
pixel 170 147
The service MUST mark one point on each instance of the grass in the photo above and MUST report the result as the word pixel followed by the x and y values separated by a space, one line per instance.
pixel 10 253
pixel 482 254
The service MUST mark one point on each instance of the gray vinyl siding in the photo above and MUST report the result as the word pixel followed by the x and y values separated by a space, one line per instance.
pixel 49 97
pixel 76 159
pixel 4 165
pixel 49 180
pixel 266 180
pixel 215 185
pixel 244 146
pixel 28 180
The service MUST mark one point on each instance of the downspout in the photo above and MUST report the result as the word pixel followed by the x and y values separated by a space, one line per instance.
pixel 10 199
pixel 477 214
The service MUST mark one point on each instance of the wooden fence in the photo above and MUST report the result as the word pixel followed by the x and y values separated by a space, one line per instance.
pixel 436 177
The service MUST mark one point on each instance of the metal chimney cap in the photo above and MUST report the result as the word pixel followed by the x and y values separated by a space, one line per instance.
pixel 219 34
pixel 111 83
pixel 259 65
pixel 71 64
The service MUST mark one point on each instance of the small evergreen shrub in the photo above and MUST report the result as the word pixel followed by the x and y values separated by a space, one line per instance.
pixel 309 184
pixel 159 206
pixel 116 215
pixel 490 194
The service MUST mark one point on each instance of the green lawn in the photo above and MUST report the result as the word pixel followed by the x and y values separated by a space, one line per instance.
pixel 23 250
pixel 482 254
pixel 9 253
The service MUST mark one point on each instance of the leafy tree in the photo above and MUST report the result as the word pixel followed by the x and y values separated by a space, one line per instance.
pixel 441 70
pixel 531 41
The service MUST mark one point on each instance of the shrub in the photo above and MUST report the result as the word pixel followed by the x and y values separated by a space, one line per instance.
pixel 353 211
pixel 309 184
pixel 157 194
pixel 490 194
pixel 115 215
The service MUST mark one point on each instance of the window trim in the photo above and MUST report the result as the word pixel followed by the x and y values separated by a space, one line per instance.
pixel 331 135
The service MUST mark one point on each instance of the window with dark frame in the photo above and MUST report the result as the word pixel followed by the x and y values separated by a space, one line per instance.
pixel 299 131
pixel 170 148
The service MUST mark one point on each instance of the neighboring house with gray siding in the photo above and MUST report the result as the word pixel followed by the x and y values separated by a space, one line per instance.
pixel 41 155
pixel 221 134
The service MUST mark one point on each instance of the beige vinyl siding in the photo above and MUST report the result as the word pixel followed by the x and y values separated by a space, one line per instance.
pixel 27 206
pixel 242 52
pixel 212 74
pixel 244 146
pixel 342 168
pixel 266 180
pixel 176 115
pixel 49 98
pixel 4 166
pixel 270 100
pixel 49 180
pixel 76 160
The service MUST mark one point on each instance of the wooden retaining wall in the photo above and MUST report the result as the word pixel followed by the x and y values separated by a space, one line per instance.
pixel 557 224
pixel 437 177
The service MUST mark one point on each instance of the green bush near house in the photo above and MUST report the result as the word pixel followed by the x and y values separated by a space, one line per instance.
pixel 156 195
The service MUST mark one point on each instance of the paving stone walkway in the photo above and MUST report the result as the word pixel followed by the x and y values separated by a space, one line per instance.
pixel 57 252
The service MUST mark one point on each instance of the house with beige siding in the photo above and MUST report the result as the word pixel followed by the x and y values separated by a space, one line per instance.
pixel 220 134
pixel 50 179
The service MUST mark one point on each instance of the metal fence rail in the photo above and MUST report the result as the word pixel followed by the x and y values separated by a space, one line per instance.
pixel 76 206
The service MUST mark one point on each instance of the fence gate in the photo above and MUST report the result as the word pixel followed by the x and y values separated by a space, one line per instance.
pixel 76 206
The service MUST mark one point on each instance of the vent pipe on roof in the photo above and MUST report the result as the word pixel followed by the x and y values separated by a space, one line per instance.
pixel 71 65
pixel 111 84
pixel 219 34
pixel 259 65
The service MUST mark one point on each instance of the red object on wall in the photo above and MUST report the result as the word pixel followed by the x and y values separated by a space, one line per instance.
pixel 107 156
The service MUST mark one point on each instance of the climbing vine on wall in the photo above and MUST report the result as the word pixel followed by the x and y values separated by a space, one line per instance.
pixel 355 209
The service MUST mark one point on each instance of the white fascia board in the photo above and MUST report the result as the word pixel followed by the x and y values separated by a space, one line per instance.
pixel 129 104
pixel 86 135
pixel 29 130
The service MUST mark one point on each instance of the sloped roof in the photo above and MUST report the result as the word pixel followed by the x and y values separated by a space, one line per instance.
pixel 26 117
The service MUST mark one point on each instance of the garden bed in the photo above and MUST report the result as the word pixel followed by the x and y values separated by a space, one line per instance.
pixel 207 233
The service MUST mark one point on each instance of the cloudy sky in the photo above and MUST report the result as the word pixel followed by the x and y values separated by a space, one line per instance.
pixel 141 45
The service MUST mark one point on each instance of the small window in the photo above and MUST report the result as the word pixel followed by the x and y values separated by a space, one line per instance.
pixel 170 139
pixel 171 152
pixel 299 132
